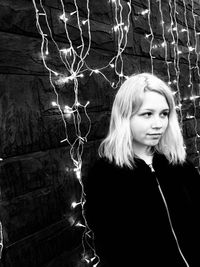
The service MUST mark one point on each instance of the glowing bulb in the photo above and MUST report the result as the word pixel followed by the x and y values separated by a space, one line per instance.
pixel 74 204
pixel 54 104
pixel 96 71
pixel 78 173
pixel 66 51
pixel 144 12
pixel 194 97
pixel 63 18
pixel 72 13
pixel 188 116
pixel 78 224
pixel 84 22
pixel 163 44
pixel 86 258
pixel 88 102
pixel 115 28
pixel 190 48
pixel 68 111
pixel 183 30
pixel 126 28
pixel 147 35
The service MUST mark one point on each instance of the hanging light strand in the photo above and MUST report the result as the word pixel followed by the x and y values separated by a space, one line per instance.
pixel 178 52
pixel 164 44
pixel 193 94
pixel 151 35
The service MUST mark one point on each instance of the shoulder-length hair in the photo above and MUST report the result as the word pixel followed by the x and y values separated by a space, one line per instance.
pixel 118 145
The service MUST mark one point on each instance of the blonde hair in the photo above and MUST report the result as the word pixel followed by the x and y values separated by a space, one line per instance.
pixel 117 146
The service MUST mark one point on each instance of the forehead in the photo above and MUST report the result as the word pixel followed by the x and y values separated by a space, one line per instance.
pixel 154 100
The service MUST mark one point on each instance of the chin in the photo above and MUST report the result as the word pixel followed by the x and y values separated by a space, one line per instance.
pixel 153 143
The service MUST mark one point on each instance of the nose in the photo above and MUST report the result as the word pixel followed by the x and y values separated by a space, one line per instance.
pixel 156 123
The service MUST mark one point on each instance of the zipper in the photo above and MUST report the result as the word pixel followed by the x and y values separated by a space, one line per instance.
pixel 168 215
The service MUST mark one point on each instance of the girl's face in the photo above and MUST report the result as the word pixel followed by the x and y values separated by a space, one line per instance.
pixel 150 121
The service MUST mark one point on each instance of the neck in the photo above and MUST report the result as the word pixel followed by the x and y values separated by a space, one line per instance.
pixel 146 155
pixel 143 152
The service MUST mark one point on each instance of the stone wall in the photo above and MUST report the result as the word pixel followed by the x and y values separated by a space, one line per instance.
pixel 37 178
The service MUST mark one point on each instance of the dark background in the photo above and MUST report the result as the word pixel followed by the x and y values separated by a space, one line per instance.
pixel 37 178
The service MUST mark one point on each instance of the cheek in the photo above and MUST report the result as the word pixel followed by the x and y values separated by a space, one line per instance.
pixel 138 128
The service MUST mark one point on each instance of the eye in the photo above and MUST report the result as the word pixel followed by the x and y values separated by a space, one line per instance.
pixel 147 114
pixel 165 114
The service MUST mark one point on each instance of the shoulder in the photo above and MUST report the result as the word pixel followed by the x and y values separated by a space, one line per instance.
pixel 104 171
pixel 104 163
pixel 187 169
pixel 184 172
pixel 100 167
pixel 179 171
pixel 161 161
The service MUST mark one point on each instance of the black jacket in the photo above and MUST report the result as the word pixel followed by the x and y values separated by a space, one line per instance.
pixel 128 216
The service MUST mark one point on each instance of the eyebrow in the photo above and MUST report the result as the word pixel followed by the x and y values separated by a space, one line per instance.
pixel 149 109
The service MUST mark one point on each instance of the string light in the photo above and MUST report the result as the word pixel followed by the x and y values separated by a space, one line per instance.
pixel 74 60
pixel 152 36
pixel 1 239
pixel 177 52
pixel 121 32
pixel 74 204
pixel 183 30
pixel 164 43
pixel 173 29
pixel 63 18
pixel 144 12
pixel 194 97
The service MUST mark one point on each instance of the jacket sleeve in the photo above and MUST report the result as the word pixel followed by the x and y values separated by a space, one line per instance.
pixel 192 191
pixel 192 183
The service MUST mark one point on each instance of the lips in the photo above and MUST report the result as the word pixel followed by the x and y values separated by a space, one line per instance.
pixel 154 135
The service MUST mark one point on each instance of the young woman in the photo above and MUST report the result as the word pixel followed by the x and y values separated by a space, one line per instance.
pixel 142 195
